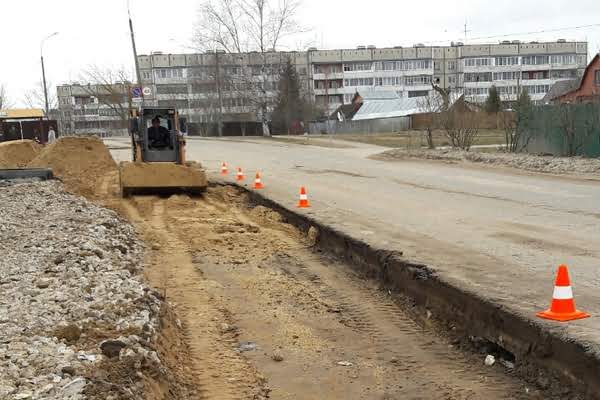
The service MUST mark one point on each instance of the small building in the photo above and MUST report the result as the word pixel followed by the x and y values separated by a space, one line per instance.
pixel 18 124
pixel 583 90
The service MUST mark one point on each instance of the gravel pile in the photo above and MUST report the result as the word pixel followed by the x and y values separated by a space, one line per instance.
pixel 73 308
pixel 548 164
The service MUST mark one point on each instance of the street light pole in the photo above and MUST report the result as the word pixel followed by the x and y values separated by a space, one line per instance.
pixel 44 71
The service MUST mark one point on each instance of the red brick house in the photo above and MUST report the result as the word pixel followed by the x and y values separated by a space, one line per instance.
pixel 588 90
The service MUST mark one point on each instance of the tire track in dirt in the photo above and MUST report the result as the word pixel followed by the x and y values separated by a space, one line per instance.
pixel 220 371
pixel 427 359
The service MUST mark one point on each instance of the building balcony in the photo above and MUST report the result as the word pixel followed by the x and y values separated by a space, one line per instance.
pixel 330 76
pixel 323 92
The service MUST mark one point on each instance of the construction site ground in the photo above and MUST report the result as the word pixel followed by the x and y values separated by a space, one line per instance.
pixel 261 309
pixel 498 233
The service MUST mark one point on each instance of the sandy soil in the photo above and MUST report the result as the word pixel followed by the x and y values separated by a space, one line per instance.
pixel 80 162
pixel 18 153
pixel 265 315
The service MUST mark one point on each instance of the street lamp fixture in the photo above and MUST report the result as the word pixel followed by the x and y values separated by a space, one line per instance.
pixel 44 71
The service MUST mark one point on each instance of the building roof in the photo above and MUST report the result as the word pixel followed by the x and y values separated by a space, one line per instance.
pixel 381 104
pixel 347 111
pixel 398 107
pixel 561 87
pixel 22 113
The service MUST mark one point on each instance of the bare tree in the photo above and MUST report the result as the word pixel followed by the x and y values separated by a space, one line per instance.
pixel 238 26
pixel 112 88
pixel 517 124
pixel 462 127
pixel 34 98
pixel 4 99
pixel 432 105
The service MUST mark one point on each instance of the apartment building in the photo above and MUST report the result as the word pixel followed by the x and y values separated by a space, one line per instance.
pixel 469 69
pixel 236 91
pixel 93 109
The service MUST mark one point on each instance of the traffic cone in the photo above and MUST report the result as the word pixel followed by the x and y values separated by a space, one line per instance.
pixel 240 175
pixel 257 182
pixel 303 203
pixel 224 170
pixel 563 306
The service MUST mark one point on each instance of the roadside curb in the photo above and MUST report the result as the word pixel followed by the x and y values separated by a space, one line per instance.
pixel 541 355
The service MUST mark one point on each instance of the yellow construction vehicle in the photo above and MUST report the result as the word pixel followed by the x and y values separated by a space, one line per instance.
pixel 159 165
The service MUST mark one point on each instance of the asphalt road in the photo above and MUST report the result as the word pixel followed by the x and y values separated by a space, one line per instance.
pixel 498 232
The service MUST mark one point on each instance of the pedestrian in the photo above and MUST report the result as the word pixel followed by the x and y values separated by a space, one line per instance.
pixel 51 135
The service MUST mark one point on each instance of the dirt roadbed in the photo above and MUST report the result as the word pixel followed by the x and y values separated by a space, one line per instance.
pixel 549 358
pixel 266 314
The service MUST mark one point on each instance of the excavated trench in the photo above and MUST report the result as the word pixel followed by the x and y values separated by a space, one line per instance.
pixel 272 308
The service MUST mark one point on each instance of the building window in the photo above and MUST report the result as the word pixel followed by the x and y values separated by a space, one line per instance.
pixel 478 77
pixel 536 60
pixel 478 62
pixel 355 67
pixel 501 61
pixel 417 80
pixel 418 93
pixel 358 82
pixel 451 79
pixel 564 59
pixel 451 65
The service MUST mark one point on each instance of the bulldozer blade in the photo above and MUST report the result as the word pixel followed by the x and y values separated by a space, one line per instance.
pixel 160 178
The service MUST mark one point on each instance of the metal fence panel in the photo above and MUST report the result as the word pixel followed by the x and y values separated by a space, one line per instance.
pixel 548 128
pixel 383 125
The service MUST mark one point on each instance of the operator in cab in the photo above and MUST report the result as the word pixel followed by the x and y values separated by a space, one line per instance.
pixel 158 136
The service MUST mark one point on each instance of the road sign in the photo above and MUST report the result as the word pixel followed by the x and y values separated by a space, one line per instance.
pixel 136 92
pixel 147 91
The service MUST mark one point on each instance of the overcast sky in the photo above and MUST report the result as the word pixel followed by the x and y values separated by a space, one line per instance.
pixel 96 32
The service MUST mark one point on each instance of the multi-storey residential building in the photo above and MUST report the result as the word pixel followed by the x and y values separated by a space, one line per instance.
pixel 469 69
pixel 216 88
pixel 236 91
pixel 93 109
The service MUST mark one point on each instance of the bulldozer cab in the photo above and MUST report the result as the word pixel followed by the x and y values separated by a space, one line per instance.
pixel 159 165
pixel 156 135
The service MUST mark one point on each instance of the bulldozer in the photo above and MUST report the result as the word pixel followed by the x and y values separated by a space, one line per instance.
pixel 158 151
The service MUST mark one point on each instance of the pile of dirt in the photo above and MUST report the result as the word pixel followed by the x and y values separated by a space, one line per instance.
pixel 80 162
pixel 18 153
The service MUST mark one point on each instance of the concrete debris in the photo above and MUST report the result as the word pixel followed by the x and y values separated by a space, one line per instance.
pixel 69 277
pixel 490 360
pixel 345 363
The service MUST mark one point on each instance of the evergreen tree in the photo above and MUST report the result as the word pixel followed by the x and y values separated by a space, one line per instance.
pixel 493 103
pixel 290 107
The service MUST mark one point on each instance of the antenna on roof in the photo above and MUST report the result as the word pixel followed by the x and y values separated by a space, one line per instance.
pixel 466 31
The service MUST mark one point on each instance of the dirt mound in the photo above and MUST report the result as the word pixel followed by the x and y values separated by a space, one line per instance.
pixel 18 153
pixel 81 163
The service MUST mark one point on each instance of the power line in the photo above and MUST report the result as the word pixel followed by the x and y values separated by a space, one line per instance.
pixel 524 33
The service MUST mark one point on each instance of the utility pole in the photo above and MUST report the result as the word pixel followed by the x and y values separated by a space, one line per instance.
pixel 220 97
pixel 135 57
pixel 44 72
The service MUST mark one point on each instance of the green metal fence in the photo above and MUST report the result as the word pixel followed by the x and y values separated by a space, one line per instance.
pixel 562 130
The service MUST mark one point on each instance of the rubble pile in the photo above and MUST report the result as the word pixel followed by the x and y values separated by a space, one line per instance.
pixel 18 153
pixel 73 304
pixel 529 162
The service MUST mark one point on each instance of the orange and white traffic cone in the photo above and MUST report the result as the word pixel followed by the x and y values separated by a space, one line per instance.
pixel 563 306
pixel 224 170
pixel 240 175
pixel 303 203
pixel 258 183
